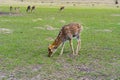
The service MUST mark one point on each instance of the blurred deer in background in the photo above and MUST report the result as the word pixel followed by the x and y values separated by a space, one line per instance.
pixel 17 9
pixel 28 8
pixel 66 33
pixel 33 8
pixel 11 8
pixel 116 3
pixel 61 8
pixel 14 9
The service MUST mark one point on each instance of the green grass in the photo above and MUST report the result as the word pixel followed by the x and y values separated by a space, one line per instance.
pixel 27 45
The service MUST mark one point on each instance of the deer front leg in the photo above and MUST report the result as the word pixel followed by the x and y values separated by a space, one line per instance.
pixel 71 45
pixel 62 48
pixel 78 46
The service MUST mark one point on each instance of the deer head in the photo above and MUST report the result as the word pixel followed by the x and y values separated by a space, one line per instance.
pixel 51 50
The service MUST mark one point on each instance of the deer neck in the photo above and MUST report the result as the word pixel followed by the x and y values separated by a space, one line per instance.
pixel 58 41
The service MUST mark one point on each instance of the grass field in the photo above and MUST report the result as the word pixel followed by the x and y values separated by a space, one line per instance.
pixel 24 39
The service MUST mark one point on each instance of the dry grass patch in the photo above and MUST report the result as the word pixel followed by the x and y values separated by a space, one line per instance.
pixel 42 28
pixel 38 19
pixel 50 39
pixel 5 31
pixel 115 15
pixel 104 30
pixel 62 21
pixel 47 27
pixel 10 14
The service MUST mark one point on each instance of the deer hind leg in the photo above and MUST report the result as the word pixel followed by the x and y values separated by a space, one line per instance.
pixel 78 45
pixel 63 44
pixel 71 45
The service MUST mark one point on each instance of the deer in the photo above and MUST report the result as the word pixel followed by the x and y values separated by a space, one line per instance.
pixel 17 9
pixel 28 8
pixel 116 3
pixel 11 8
pixel 61 8
pixel 67 33
pixel 33 8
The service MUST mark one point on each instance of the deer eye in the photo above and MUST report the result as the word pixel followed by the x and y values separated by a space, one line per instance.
pixel 55 47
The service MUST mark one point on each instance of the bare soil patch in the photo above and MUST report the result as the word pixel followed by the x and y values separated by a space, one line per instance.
pixel 2 75
pixel 4 13
pixel 10 14
pixel 60 70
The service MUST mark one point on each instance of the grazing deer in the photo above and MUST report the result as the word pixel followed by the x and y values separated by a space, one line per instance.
pixel 11 8
pixel 66 33
pixel 116 3
pixel 17 9
pixel 61 8
pixel 33 8
pixel 28 8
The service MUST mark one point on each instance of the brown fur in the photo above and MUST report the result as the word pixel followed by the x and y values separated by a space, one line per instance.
pixel 66 33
